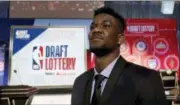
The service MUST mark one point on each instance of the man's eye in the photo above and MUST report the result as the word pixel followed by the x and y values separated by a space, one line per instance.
pixel 106 25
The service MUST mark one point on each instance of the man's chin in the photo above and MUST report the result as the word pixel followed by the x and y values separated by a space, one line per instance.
pixel 99 52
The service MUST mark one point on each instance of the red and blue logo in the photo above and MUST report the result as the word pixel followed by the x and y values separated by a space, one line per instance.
pixel 37 57
pixel 52 57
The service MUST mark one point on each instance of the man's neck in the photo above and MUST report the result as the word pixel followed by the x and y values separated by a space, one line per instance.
pixel 104 61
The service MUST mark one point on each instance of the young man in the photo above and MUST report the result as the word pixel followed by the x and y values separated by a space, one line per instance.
pixel 114 81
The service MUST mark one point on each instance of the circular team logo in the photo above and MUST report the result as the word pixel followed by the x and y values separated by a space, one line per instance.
pixel 161 46
pixel 1 66
pixel 152 62
pixel 141 46
pixel 124 47
pixel 171 62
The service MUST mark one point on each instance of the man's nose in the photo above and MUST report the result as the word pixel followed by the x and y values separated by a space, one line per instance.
pixel 97 29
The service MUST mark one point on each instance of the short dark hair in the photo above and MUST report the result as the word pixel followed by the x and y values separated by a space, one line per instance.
pixel 111 12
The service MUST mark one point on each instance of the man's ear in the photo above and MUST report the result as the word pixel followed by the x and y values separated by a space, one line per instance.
pixel 121 38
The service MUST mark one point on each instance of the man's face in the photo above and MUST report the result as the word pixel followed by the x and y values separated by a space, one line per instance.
pixel 104 35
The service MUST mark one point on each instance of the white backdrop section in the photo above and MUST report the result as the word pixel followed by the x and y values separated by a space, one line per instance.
pixel 22 60
pixel 66 22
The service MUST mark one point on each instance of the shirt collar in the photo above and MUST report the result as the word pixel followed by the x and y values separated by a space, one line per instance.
pixel 106 71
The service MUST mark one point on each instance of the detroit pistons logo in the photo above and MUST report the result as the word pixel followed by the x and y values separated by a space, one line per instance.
pixel 37 57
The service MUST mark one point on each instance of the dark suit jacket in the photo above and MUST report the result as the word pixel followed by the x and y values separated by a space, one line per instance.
pixel 128 84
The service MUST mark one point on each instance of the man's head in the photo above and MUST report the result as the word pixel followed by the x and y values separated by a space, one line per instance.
pixel 106 31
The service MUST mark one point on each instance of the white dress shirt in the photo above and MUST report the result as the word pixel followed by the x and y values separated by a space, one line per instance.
pixel 105 72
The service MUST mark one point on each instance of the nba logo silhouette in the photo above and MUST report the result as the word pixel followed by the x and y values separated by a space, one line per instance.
pixel 37 58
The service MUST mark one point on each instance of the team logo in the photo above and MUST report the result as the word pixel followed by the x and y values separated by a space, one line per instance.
pixel 124 48
pixel 171 62
pixel 141 46
pixel 37 58
pixel 161 46
pixel 152 62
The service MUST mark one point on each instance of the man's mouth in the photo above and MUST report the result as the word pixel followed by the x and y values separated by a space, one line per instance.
pixel 96 37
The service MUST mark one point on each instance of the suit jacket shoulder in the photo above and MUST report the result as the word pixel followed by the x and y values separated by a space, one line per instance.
pixel 79 88
pixel 148 85
pixel 83 75
pixel 140 70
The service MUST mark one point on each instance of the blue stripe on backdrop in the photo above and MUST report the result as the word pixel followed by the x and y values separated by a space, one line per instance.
pixel 19 43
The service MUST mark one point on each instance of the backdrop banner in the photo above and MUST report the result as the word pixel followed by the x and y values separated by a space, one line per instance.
pixel 47 56
pixel 151 43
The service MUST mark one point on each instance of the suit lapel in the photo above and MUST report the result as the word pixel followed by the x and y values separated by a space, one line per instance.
pixel 118 68
pixel 87 88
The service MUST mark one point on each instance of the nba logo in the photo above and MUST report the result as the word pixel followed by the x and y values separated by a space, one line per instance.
pixel 37 58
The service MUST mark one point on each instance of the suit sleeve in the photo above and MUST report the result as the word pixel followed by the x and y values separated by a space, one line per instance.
pixel 158 96
pixel 74 95
pixel 158 86
pixel 159 91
